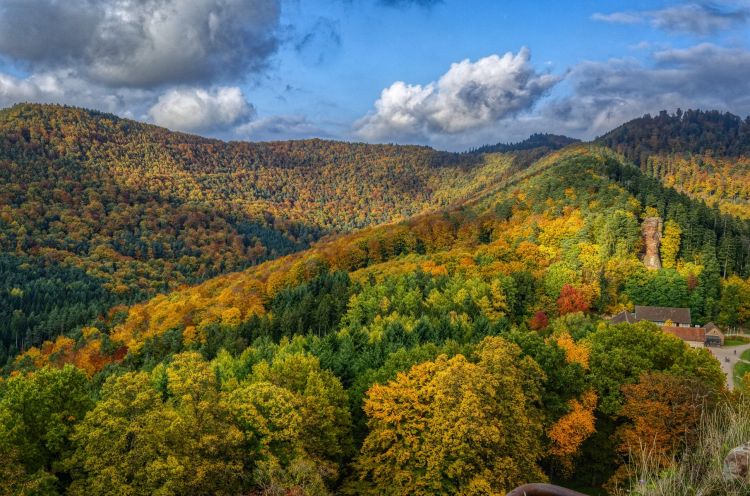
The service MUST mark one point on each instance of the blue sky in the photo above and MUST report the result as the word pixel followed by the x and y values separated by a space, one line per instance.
pixel 451 74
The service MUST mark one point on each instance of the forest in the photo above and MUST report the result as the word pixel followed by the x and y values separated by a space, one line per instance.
pixel 464 349
pixel 171 329
pixel 703 154
pixel 97 211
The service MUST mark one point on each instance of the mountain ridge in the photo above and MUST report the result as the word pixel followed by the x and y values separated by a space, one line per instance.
pixel 137 209
pixel 479 322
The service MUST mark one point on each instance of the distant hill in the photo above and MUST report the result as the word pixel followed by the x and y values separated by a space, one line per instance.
pixel 537 140
pixel 720 134
pixel 574 207
pixel 476 326
pixel 516 279
pixel 705 154
pixel 96 210
pixel 531 149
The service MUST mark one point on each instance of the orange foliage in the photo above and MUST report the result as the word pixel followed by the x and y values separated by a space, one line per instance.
pixel 573 428
pixel 663 413
pixel 574 352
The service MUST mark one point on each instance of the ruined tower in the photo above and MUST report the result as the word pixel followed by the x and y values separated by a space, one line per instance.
pixel 651 233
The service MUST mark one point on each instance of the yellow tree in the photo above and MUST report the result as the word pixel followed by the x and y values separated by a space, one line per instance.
pixel 168 433
pixel 670 244
pixel 452 426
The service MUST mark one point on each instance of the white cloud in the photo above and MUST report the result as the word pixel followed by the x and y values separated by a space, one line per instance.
pixel 141 43
pixel 64 87
pixel 595 97
pixel 605 94
pixel 195 109
pixel 619 17
pixel 471 95
pixel 696 18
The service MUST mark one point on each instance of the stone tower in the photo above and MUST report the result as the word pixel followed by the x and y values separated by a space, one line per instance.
pixel 651 232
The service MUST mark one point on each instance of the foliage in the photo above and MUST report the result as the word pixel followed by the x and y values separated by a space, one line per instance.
pixel 97 210
pixel 452 426
pixel 459 351
pixel 699 469
pixel 663 413
pixel 37 416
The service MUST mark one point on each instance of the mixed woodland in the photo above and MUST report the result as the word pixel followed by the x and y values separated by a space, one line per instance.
pixel 436 326
pixel 97 211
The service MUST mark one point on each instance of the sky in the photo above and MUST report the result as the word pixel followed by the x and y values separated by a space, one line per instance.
pixel 452 74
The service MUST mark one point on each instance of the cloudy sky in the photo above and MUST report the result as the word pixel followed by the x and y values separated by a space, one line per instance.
pixel 452 74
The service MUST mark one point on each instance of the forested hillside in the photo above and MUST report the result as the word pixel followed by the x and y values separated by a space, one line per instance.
pixel 697 132
pixel 367 363
pixel 96 210
pixel 547 142
pixel 703 154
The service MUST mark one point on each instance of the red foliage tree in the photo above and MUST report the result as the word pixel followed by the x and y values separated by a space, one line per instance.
pixel 571 300
pixel 539 321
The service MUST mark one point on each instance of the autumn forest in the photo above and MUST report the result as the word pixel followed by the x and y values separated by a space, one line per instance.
pixel 188 316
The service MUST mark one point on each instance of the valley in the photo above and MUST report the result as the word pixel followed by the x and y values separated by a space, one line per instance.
pixel 382 291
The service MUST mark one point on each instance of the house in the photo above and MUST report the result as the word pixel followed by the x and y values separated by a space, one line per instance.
pixel 714 336
pixel 675 321
pixel 677 317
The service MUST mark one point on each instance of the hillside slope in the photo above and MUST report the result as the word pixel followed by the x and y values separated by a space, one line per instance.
pixel 97 210
pixel 573 219
pixel 349 366
pixel 703 154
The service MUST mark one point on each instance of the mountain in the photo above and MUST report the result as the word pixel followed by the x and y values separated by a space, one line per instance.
pixel 703 154
pixel 464 349
pixel 566 219
pixel 531 149
pixel 720 134
pixel 96 210
pixel 545 141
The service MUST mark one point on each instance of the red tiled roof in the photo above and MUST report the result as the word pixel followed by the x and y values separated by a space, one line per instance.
pixel 697 334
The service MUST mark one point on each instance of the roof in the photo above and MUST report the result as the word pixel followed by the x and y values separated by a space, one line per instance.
pixel 623 316
pixel 697 334
pixel 663 314
pixel 713 329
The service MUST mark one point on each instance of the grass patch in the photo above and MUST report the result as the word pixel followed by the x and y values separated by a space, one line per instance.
pixel 736 340
pixel 740 369
pixel 699 470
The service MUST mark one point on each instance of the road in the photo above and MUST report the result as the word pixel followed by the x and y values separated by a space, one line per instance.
pixel 728 367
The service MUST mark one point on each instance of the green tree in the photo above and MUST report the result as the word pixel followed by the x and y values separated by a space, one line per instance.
pixel 621 353
pixel 139 441
pixel 38 413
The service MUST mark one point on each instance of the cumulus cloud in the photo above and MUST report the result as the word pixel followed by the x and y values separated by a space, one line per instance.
pixel 141 43
pixel 695 18
pixel 605 94
pixel 195 109
pixel 65 87
pixel 279 128
pixel 469 96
